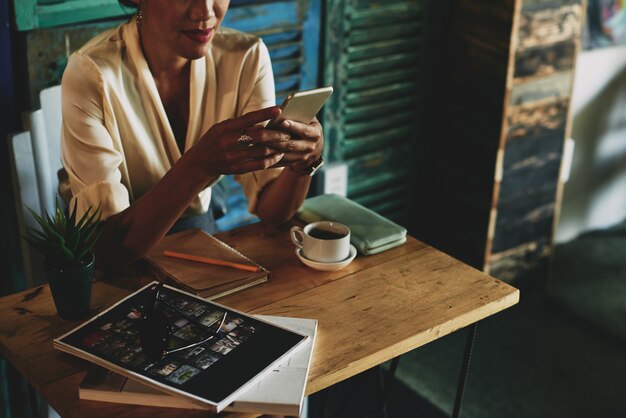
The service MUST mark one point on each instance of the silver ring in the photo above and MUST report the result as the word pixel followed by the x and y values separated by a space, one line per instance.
pixel 245 139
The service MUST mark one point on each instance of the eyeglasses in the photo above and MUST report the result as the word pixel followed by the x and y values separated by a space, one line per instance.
pixel 156 328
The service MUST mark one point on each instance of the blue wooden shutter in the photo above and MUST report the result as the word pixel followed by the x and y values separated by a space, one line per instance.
pixel 291 31
pixel 373 58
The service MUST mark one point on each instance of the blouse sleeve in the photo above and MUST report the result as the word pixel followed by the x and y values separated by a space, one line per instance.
pixel 88 152
pixel 260 94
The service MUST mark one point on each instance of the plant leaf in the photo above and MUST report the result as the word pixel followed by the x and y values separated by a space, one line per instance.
pixel 38 218
pixel 92 233
pixel 59 217
pixel 89 245
pixel 68 254
pixel 39 246
pixel 83 219
pixel 72 233
pixel 46 226
pixel 35 233
pixel 72 219
pixel 91 221
pixel 61 238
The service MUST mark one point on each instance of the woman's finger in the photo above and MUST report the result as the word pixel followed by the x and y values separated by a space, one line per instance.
pixel 281 141
pixel 257 152
pixel 304 130
pixel 251 119
pixel 292 145
pixel 258 164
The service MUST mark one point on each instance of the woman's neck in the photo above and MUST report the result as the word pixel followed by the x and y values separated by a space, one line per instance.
pixel 162 63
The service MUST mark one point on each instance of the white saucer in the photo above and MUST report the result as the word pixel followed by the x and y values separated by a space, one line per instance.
pixel 327 266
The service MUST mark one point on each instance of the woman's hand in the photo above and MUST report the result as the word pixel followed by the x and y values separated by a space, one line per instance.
pixel 220 150
pixel 281 198
pixel 301 143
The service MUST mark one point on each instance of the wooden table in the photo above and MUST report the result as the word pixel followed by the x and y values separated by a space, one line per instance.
pixel 405 297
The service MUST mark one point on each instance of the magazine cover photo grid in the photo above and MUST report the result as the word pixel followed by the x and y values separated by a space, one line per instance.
pixel 115 336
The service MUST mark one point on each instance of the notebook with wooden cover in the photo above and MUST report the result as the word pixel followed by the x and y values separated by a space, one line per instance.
pixel 205 280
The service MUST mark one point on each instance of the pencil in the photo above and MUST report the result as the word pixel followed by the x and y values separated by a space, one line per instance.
pixel 212 261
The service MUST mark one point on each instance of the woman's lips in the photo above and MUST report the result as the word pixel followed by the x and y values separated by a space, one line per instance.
pixel 200 36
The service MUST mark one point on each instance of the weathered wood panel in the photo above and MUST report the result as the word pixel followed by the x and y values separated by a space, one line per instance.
pixel 541 61
pixel 536 126
pixel 554 86
pixel 530 5
pixel 544 26
pixel 533 149
pixel 525 220
pixel 537 118
pixel 519 261
pixel 532 159
pixel 539 169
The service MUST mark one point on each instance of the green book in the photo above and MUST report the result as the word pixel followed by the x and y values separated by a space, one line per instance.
pixel 371 233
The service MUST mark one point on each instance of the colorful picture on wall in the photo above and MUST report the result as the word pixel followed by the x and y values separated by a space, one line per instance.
pixel 606 23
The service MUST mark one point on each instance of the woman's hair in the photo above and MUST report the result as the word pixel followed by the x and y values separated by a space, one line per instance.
pixel 127 3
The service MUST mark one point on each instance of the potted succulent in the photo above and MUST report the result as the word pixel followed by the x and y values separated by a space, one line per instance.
pixel 66 245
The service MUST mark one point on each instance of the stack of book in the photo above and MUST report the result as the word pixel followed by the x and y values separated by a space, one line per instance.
pixel 281 392
pixel 215 358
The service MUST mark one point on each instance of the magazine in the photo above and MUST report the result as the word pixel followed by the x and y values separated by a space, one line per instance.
pixel 279 393
pixel 237 349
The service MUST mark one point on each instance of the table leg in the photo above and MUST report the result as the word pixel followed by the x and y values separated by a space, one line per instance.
pixel 34 402
pixel 469 346
pixel 385 384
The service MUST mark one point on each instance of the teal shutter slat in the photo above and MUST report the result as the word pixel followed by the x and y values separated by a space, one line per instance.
pixel 284 50
pixel 311 30
pixel 370 142
pixel 34 14
pixel 372 171
pixel 263 17
pixel 372 121
pixel 286 66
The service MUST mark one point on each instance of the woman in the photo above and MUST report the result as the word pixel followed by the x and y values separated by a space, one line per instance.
pixel 157 109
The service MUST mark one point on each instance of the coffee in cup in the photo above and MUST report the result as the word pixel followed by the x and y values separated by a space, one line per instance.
pixel 323 242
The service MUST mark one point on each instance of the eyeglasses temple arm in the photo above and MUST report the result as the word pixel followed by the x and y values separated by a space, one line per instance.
pixel 199 342
pixel 188 346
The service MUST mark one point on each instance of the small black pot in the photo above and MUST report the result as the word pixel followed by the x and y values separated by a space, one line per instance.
pixel 71 289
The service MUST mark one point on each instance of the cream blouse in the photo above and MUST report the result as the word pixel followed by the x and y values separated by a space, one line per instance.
pixel 117 142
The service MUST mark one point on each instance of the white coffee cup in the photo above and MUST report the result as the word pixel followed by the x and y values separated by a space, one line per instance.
pixel 324 241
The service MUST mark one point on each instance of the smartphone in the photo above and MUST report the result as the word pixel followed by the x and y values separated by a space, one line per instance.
pixel 302 106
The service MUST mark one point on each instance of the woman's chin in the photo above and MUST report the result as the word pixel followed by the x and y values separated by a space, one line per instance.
pixel 196 52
